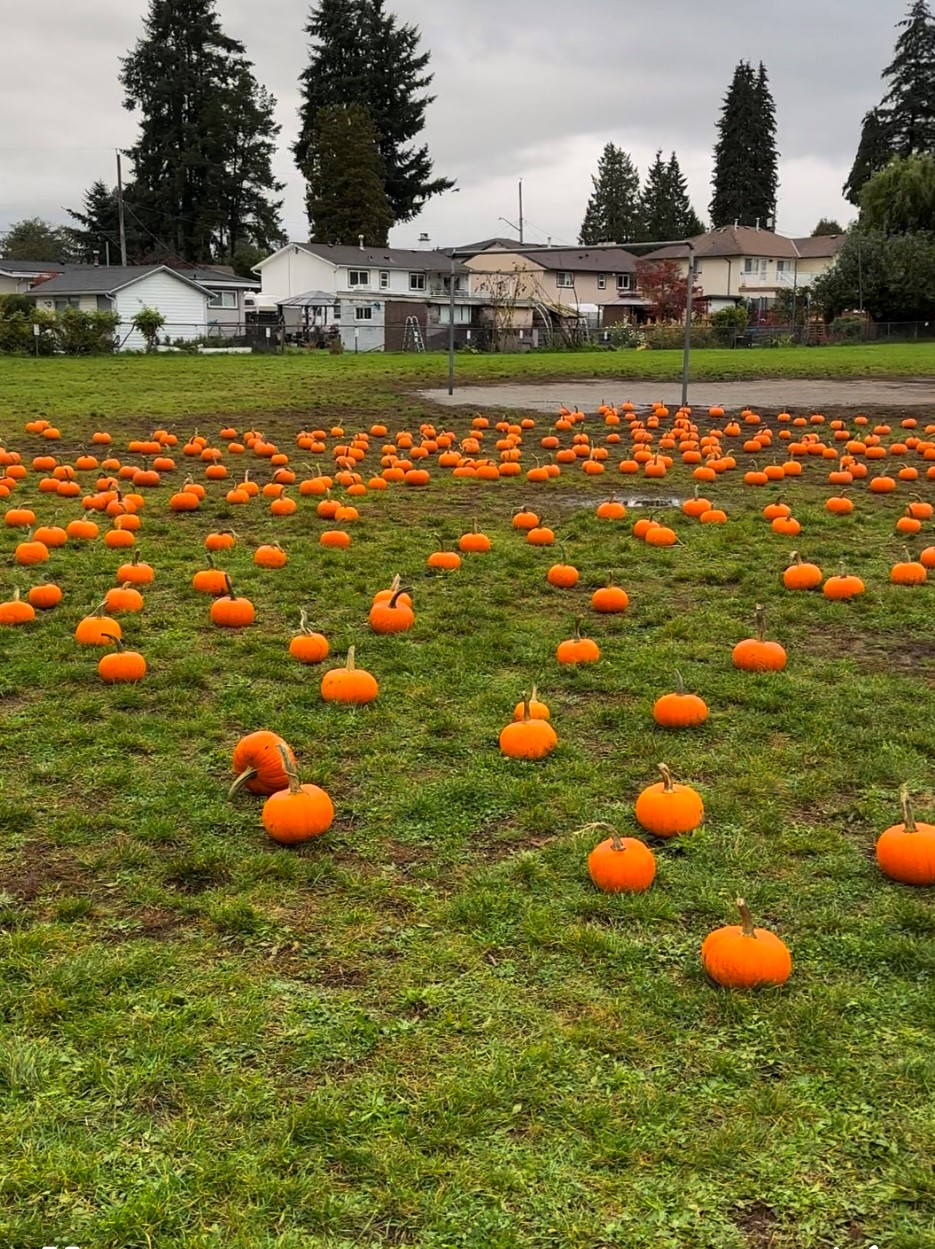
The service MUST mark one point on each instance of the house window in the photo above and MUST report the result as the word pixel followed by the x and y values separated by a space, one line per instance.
pixel 459 284
pixel 363 312
pixel 564 279
pixel 72 301
pixel 223 299
pixel 754 267
pixel 358 277
pixel 384 280
pixel 337 312
pixel 623 281
pixel 417 281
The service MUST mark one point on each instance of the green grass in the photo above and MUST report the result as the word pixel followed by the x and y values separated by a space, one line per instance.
pixel 318 382
pixel 427 1028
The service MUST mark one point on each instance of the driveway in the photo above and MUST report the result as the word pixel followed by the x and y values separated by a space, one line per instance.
pixel 777 393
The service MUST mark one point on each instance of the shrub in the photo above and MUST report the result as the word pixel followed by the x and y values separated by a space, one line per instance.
pixel 78 333
pixel 148 322
pixel 729 324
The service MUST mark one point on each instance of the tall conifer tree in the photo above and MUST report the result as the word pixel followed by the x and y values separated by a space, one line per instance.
pixel 904 121
pixel 202 159
pixel 360 54
pixel 614 212
pixel 745 156
pixel 347 196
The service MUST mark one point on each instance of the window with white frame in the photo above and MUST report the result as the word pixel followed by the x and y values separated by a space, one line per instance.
pixel 602 281
pixel 417 281
pixel 337 312
pixel 363 312
pixel 754 267
pixel 384 280
pixel 623 281
pixel 358 277
pixel 223 299
pixel 564 279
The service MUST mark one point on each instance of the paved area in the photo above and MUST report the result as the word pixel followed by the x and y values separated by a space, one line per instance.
pixel 775 393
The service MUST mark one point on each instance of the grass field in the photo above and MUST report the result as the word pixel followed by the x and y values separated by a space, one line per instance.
pixel 427 1027
pixel 181 386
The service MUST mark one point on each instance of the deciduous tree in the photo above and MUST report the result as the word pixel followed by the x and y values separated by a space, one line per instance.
pixel 664 285
pixel 900 199
pixel 890 277
pixel 35 239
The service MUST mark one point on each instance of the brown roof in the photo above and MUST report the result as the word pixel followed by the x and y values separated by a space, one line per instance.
pixel 574 259
pixel 732 241
pixel 820 245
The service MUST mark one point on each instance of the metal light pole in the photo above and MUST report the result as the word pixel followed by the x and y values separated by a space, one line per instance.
pixel 686 352
pixel 451 327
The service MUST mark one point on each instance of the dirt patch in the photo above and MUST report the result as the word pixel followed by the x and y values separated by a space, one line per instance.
pixel 757 1222
pixel 48 870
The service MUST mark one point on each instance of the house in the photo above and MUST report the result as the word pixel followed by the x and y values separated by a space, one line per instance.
pixel 17 276
pixel 561 283
pixel 376 298
pixel 734 264
pixel 112 288
pixel 227 295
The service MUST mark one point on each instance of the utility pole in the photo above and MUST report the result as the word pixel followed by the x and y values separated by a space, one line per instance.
pixel 122 224
pixel 521 210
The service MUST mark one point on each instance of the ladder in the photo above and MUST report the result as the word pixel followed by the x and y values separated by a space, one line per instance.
pixel 412 335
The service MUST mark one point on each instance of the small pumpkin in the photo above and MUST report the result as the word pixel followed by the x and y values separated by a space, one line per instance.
pixel 801 575
pixel 843 586
pixel 121 664
pixel 258 765
pixel 123 598
pixel 308 647
pixel 474 541
pixel 680 710
pixel 564 575
pixel 298 812
pixel 269 555
pixel 16 610
pixel 393 615
pixel 756 654
pixel 528 738
pixel 45 595
pixel 578 650
pixel 621 864
pixel 537 710
pixel 740 956
pixel 210 580
pixel 667 808
pixel 349 684
pixel 908 572
pixel 906 851
pixel 231 612
pixel 610 598
pixel 97 629
pixel 136 571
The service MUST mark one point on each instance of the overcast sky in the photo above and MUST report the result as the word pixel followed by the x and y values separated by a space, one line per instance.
pixel 531 91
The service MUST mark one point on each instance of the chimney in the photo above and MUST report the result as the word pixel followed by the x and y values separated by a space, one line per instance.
pixel 360 241
pixel 758 223
pixel 97 258
pixel 423 240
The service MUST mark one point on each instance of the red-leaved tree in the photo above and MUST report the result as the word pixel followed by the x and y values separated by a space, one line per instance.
pixel 662 283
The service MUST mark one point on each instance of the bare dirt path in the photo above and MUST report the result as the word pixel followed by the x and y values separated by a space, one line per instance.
pixel 798 393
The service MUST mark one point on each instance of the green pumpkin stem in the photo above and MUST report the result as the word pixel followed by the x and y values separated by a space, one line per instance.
pixel 295 785
pixel 746 919
pixel 760 619
pixel 667 782
pixel 908 818
pixel 679 683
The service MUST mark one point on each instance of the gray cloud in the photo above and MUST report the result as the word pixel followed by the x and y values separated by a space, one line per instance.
pixel 531 91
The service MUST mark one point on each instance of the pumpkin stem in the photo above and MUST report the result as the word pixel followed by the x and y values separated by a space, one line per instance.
pixel 679 683
pixel 229 587
pixel 99 610
pixel 795 558
pixel 303 621
pixel 395 584
pixel 246 775
pixel 400 590
pixel 746 919
pixel 525 698
pixel 908 818
pixel 209 558
pixel 349 665
pixel 116 641
pixel 759 617
pixel 578 623
pixel 295 786
pixel 667 783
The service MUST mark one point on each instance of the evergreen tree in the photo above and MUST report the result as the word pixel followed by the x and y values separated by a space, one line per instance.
pixel 202 158
pixel 910 101
pixel 100 219
pixel 745 156
pixel 361 55
pixel 35 239
pixel 827 226
pixel 614 212
pixel 346 189
pixel 687 222
pixel 904 122
pixel 873 152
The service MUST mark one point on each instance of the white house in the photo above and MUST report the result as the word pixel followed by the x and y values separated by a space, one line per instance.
pixel 378 298
pixel 17 276
pixel 181 300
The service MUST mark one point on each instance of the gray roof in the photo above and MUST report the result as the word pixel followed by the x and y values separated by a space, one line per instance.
pixel 572 259
pixel 382 257
pixel 311 299
pixel 498 244
pixel 27 267
pixel 103 279
pixel 216 275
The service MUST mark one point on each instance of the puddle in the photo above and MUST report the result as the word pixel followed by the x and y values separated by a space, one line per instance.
pixel 635 501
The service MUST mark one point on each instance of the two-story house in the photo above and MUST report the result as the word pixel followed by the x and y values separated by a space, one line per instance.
pixel 561 283
pixel 743 263
pixel 377 298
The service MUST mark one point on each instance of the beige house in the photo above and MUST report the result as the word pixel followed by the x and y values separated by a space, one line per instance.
pixel 559 283
pixel 734 263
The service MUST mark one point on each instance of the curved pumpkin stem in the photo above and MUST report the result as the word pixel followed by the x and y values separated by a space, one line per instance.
pixel 908 818
pixel 396 593
pixel 746 919
pixel 667 782
pixel 295 786
pixel 118 642
pixel 679 683
pixel 795 558
pixel 246 775
pixel 615 838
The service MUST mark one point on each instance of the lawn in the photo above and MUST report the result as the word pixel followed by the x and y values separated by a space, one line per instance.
pixel 181 386
pixel 427 1027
